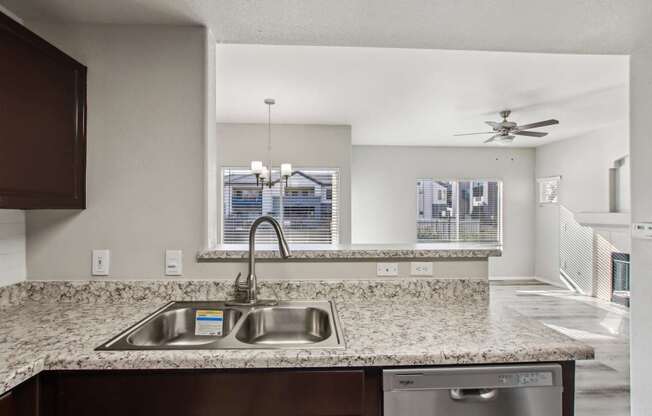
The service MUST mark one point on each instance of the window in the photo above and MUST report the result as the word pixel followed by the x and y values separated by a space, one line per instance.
pixel 306 207
pixel 461 210
pixel 549 190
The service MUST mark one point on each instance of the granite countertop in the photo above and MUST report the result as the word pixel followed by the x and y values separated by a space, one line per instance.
pixel 419 329
pixel 348 252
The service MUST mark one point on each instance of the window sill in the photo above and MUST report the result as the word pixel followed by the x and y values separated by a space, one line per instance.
pixel 355 252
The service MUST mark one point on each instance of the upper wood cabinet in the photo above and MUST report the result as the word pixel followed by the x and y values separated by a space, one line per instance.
pixel 42 122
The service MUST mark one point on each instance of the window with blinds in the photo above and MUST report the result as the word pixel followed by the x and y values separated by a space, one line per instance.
pixel 306 206
pixel 549 190
pixel 459 211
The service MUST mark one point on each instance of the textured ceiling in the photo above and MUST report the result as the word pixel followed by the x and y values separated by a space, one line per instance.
pixel 581 26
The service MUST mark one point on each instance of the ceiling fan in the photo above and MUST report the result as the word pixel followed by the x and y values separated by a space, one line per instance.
pixel 505 132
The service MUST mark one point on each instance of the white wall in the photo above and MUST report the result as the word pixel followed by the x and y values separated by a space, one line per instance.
pixel 12 246
pixel 384 178
pixel 583 163
pixel 307 146
pixel 145 178
pixel 641 172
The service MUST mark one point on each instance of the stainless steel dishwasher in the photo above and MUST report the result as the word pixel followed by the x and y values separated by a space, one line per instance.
pixel 506 390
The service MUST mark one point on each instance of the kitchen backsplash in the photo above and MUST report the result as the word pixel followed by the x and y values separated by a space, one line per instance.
pixel 435 290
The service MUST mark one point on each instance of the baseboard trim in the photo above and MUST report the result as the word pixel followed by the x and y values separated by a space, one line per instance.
pixel 514 280
pixel 560 284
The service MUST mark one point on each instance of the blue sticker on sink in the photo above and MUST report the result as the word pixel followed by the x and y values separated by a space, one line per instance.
pixel 209 322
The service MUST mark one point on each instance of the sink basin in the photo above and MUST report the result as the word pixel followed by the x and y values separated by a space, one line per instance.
pixel 285 326
pixel 295 324
pixel 177 327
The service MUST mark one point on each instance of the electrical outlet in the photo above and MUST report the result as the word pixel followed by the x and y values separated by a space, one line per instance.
pixel 421 268
pixel 101 262
pixel 386 269
pixel 642 230
pixel 173 262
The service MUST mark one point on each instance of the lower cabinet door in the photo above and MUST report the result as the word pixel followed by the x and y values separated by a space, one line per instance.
pixel 228 393
pixel 8 405
pixel 22 400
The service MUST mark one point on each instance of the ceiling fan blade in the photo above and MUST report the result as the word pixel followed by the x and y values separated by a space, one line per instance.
pixel 471 134
pixel 493 124
pixel 491 139
pixel 530 133
pixel 538 124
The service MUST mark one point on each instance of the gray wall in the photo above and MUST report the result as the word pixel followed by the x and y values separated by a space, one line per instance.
pixel 583 163
pixel 146 98
pixel 12 246
pixel 308 146
pixel 384 177
pixel 149 174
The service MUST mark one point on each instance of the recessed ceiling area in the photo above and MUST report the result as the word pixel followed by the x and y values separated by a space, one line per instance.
pixel 607 26
pixel 421 97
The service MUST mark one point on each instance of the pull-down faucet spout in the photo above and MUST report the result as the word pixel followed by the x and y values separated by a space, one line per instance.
pixel 247 290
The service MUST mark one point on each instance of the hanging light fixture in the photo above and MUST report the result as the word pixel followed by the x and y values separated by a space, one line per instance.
pixel 263 172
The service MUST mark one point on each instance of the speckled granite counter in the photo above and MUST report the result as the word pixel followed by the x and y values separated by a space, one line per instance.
pixel 357 252
pixel 411 326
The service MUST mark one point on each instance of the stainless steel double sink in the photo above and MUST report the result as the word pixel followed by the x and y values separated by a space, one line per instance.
pixel 288 325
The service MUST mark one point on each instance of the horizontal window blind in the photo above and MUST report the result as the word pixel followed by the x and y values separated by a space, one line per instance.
pixel 459 211
pixel 306 206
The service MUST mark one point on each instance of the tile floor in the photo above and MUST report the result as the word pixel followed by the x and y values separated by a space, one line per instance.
pixel 602 385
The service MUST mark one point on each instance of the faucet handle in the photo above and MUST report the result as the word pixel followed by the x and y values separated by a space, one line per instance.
pixel 237 280
pixel 239 289
pixel 241 286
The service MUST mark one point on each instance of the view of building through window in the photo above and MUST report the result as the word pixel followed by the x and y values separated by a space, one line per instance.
pixel 306 206
pixel 464 210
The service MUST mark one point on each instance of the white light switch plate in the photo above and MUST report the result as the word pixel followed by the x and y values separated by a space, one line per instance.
pixel 421 268
pixel 386 269
pixel 173 262
pixel 101 262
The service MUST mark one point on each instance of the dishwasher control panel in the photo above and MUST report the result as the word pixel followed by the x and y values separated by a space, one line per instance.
pixel 509 376
pixel 529 379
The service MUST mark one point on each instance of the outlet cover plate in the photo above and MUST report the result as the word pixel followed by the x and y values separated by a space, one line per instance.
pixel 386 269
pixel 421 268
pixel 101 262
pixel 642 230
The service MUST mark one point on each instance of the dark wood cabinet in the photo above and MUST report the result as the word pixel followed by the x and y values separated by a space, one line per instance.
pixel 42 122
pixel 347 392
pixel 22 400
pixel 8 404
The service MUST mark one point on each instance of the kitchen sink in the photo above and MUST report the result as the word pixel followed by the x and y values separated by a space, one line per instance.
pixel 285 326
pixel 292 324
pixel 177 327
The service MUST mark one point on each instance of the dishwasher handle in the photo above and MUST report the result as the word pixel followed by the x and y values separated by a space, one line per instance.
pixel 474 395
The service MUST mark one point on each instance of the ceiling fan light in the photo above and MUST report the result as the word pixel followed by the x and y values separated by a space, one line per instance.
pixel 505 139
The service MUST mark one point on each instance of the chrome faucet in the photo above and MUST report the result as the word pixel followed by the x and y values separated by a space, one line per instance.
pixel 247 290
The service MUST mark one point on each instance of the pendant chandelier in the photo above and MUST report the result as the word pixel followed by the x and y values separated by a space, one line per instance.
pixel 263 172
